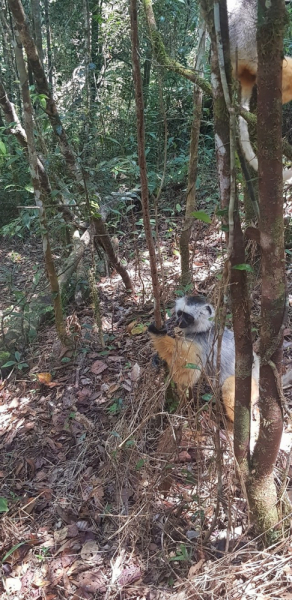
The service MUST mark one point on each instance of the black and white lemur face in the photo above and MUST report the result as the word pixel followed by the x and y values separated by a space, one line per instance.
pixel 194 313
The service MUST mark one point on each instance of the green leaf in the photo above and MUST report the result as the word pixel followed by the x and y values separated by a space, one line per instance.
pixel 207 397
pixel 130 443
pixel 222 212
pixel 10 363
pixel 11 551
pixel 23 366
pixel 192 366
pixel 3 505
pixel 139 464
pixel 17 356
pixel 3 148
pixel 202 216
pixel 243 267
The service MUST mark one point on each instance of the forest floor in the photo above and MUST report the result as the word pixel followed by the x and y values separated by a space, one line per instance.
pixel 113 487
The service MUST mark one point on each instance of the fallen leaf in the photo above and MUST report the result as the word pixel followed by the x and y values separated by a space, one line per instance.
pixel 130 574
pixel 29 505
pixel 81 593
pixel 41 475
pixel 113 388
pixel 61 535
pixel 135 372
pixel 98 367
pixel 84 393
pixel 12 584
pixel 89 551
pixel 138 329
pixel 82 525
pixel 195 568
pixel 39 581
pixel 91 581
pixel 131 325
pixel 55 572
pixel 44 377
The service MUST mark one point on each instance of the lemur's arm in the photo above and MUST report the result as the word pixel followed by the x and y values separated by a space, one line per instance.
pixel 182 356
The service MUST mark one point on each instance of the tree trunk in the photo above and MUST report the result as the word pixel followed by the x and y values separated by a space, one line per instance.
pixel 142 158
pixel 221 117
pixel 39 194
pixel 243 349
pixel 262 491
pixel 37 27
pixel 105 242
pixel 49 44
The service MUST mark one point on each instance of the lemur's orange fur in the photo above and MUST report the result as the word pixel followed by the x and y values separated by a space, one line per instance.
pixel 179 352
pixel 228 395
pixel 247 74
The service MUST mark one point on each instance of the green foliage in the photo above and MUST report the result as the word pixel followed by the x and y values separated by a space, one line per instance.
pixel 182 554
pixel 3 505
pixel 202 216
pixel 116 407
pixel 16 363
pixel 243 267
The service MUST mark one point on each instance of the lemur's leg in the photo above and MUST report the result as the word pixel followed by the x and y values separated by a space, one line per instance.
pixel 228 395
pixel 287 79
pixel 183 357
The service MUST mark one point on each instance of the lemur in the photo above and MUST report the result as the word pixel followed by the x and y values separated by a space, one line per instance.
pixel 242 19
pixel 196 350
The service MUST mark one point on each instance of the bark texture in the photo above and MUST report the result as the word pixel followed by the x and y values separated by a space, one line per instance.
pixel 262 489
pixel 142 158
pixel 40 197
pixel 186 273
pixel 221 117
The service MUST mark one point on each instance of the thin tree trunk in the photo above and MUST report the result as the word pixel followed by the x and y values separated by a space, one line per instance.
pixel 39 194
pixel 49 44
pixel 142 158
pixel 221 117
pixel 243 348
pixel 186 273
pixel 105 242
pixel 262 490
pixel 37 27
pixel 87 50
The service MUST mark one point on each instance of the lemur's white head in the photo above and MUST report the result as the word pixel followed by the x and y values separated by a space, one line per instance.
pixel 194 313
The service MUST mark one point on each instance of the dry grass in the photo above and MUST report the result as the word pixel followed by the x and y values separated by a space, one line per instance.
pixel 118 489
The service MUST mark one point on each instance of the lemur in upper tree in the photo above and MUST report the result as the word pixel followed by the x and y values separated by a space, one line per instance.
pixel 198 347
pixel 242 20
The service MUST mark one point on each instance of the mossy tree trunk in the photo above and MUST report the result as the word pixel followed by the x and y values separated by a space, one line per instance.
pixel 261 488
